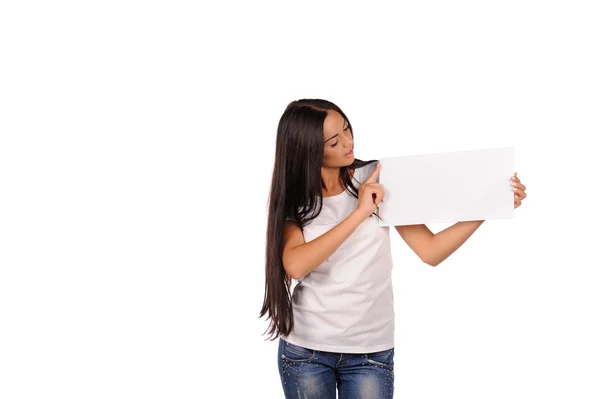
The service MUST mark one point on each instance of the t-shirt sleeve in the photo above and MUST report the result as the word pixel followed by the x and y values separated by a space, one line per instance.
pixel 363 173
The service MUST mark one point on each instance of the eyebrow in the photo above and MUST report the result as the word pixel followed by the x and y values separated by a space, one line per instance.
pixel 332 137
pixel 335 135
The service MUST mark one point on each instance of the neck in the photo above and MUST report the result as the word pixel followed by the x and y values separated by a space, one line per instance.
pixel 331 180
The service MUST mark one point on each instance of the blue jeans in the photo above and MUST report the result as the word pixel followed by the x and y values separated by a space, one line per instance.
pixel 312 374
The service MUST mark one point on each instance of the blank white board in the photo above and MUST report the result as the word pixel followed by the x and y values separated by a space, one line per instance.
pixel 447 187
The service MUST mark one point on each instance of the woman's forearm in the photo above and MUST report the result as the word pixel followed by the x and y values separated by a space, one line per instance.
pixel 445 242
pixel 306 257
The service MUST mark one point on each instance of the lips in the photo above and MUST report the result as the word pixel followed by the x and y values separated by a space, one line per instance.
pixel 349 152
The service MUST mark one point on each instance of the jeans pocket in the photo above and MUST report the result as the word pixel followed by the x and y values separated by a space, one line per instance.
pixel 295 353
pixel 383 358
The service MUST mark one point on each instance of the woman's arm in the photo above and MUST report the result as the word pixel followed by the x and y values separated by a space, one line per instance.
pixel 300 257
pixel 433 249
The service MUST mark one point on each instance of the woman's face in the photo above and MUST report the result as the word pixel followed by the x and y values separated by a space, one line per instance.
pixel 339 144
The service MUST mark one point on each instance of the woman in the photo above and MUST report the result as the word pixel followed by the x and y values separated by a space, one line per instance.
pixel 337 329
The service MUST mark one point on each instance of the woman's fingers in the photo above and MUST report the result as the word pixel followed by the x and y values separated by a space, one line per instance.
pixel 516 184
pixel 378 197
pixel 373 176
pixel 376 194
pixel 375 190
pixel 519 192
pixel 378 191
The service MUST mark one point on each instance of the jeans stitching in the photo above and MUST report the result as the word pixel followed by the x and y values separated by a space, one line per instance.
pixel 375 362
pixel 290 349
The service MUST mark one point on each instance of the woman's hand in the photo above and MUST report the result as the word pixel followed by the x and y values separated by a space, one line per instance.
pixel 370 194
pixel 519 190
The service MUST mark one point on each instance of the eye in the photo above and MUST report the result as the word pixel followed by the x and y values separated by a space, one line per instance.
pixel 333 145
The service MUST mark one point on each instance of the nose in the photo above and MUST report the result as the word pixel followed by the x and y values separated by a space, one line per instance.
pixel 348 142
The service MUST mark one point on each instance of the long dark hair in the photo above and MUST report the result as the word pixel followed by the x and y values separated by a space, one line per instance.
pixel 296 192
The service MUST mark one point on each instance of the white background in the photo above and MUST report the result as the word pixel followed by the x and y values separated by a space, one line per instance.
pixel 137 143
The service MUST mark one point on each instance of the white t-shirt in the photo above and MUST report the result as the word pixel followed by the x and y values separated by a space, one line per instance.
pixel 346 304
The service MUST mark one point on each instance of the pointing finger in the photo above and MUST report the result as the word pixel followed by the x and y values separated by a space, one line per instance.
pixel 371 178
